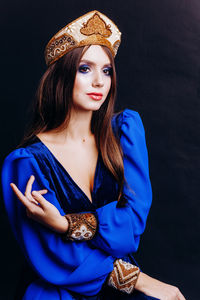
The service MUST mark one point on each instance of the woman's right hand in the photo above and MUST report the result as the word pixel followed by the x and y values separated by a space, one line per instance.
pixel 39 209
pixel 155 288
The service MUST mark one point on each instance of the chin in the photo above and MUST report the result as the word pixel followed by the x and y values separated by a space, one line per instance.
pixel 93 107
pixel 96 107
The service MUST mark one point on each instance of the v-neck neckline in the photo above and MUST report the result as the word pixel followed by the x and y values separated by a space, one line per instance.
pixel 69 176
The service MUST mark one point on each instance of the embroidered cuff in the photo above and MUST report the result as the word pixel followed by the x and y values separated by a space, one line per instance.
pixel 82 227
pixel 124 276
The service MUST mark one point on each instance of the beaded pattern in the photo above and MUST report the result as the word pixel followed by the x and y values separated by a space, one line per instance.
pixel 82 226
pixel 58 47
pixel 82 233
pixel 124 276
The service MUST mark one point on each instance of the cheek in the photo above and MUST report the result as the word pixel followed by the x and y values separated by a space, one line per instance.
pixel 80 83
pixel 108 85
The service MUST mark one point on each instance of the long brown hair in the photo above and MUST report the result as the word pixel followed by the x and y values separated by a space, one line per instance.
pixel 52 107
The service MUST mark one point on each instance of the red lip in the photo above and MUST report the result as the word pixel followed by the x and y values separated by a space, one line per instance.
pixel 95 94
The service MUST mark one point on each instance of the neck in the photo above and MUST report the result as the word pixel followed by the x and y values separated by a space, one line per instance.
pixel 78 129
pixel 79 126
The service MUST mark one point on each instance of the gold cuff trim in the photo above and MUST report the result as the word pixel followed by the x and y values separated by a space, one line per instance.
pixel 82 227
pixel 124 276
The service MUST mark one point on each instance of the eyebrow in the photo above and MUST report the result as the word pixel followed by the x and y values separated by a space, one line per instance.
pixel 89 62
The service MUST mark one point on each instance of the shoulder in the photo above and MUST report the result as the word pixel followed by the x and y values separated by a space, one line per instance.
pixel 17 154
pixel 29 150
pixel 127 122
pixel 20 158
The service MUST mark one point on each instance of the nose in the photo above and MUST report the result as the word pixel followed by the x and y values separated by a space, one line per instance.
pixel 98 79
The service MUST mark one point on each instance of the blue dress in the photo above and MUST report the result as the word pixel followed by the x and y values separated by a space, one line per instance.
pixel 78 270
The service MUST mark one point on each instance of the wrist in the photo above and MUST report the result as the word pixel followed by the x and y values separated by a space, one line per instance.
pixel 145 283
pixel 62 225
pixel 140 283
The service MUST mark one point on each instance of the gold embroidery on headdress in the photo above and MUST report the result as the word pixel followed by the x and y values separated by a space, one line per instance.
pixel 91 28
pixel 96 25
pixel 58 46
pixel 97 40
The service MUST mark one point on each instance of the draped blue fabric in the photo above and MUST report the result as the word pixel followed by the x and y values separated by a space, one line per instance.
pixel 78 270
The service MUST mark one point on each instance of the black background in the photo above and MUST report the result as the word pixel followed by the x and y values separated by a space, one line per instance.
pixel 158 67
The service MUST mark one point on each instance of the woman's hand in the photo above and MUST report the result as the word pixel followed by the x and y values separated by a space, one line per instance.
pixel 39 209
pixel 155 288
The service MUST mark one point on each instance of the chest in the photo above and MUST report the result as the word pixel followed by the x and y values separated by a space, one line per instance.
pixel 80 163
pixel 75 198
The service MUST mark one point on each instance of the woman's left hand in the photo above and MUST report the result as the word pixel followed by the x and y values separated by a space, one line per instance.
pixel 39 209
pixel 155 288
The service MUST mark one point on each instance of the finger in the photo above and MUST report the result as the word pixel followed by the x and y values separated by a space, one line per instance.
pixel 34 201
pixel 29 186
pixel 20 196
pixel 42 192
pixel 180 296
pixel 38 197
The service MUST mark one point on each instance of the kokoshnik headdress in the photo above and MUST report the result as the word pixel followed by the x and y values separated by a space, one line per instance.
pixel 93 28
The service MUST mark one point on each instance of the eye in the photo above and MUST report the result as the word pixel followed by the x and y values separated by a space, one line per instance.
pixel 108 71
pixel 83 69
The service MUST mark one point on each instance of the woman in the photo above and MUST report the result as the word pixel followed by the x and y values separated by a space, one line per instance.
pixel 92 167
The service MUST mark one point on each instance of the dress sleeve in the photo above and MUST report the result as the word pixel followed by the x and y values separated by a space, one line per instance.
pixel 119 229
pixel 67 264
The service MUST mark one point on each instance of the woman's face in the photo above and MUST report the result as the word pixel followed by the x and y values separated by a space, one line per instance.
pixel 93 79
